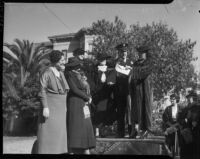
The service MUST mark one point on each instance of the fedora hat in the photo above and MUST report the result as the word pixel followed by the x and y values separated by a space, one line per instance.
pixel 78 51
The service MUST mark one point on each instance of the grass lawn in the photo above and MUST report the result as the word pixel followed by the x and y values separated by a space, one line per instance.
pixel 18 145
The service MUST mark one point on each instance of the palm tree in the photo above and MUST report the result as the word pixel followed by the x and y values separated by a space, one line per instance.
pixel 26 57
pixel 20 61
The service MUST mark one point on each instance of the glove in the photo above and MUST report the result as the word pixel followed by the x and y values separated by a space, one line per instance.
pixel 46 112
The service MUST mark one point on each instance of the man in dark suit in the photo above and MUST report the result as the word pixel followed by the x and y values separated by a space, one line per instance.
pixel 122 67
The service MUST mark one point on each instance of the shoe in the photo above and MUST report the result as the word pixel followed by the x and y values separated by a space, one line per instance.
pixel 141 134
pixel 129 129
pixel 119 136
pixel 145 134
pixel 133 134
pixel 150 131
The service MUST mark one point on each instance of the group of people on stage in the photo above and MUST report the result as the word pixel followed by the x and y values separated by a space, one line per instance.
pixel 181 126
pixel 71 96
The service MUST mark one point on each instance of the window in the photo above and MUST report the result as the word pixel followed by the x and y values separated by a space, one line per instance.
pixel 65 54
pixel 90 47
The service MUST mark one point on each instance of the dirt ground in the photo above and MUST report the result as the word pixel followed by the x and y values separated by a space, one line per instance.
pixel 18 145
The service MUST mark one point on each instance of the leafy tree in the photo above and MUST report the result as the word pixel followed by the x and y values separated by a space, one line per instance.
pixel 171 56
pixel 109 35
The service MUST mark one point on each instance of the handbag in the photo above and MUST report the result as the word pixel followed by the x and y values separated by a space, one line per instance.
pixel 86 111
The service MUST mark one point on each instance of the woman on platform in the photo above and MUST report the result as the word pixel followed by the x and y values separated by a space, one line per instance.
pixel 52 132
pixel 104 86
pixel 80 131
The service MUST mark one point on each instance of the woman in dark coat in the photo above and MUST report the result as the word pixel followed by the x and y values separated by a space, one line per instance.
pixel 103 90
pixel 80 131
pixel 52 132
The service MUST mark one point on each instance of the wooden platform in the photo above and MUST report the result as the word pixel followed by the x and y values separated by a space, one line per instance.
pixel 125 146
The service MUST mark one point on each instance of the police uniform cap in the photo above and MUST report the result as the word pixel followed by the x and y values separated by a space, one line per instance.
pixel 122 47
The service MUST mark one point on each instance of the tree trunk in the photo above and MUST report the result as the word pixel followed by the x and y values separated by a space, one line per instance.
pixel 11 125
pixel 5 126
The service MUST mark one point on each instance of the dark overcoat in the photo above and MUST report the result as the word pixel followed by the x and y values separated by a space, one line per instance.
pixel 121 95
pixel 80 130
pixel 188 115
pixel 141 94
pixel 102 97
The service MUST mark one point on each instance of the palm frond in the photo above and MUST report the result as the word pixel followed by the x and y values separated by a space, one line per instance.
pixel 6 60
pixel 20 44
pixel 32 52
pixel 9 52
pixel 9 85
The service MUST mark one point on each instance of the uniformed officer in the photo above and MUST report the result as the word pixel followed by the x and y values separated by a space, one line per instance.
pixel 122 67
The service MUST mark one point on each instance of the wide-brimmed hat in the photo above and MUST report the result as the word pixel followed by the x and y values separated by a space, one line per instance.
pixel 192 94
pixel 122 47
pixel 73 62
pixel 102 57
pixel 143 49
pixel 79 51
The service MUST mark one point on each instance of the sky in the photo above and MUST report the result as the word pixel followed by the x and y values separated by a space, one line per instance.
pixel 37 21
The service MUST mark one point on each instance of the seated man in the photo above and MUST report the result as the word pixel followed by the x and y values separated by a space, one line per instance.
pixel 189 120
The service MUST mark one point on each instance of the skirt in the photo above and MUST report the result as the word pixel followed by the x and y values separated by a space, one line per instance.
pixel 52 132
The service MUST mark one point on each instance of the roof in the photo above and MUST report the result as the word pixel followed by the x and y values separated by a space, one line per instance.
pixel 62 36
pixel 46 43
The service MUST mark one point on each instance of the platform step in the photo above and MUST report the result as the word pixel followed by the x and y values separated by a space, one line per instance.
pixel 149 146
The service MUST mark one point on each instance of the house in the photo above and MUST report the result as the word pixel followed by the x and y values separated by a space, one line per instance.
pixel 67 43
